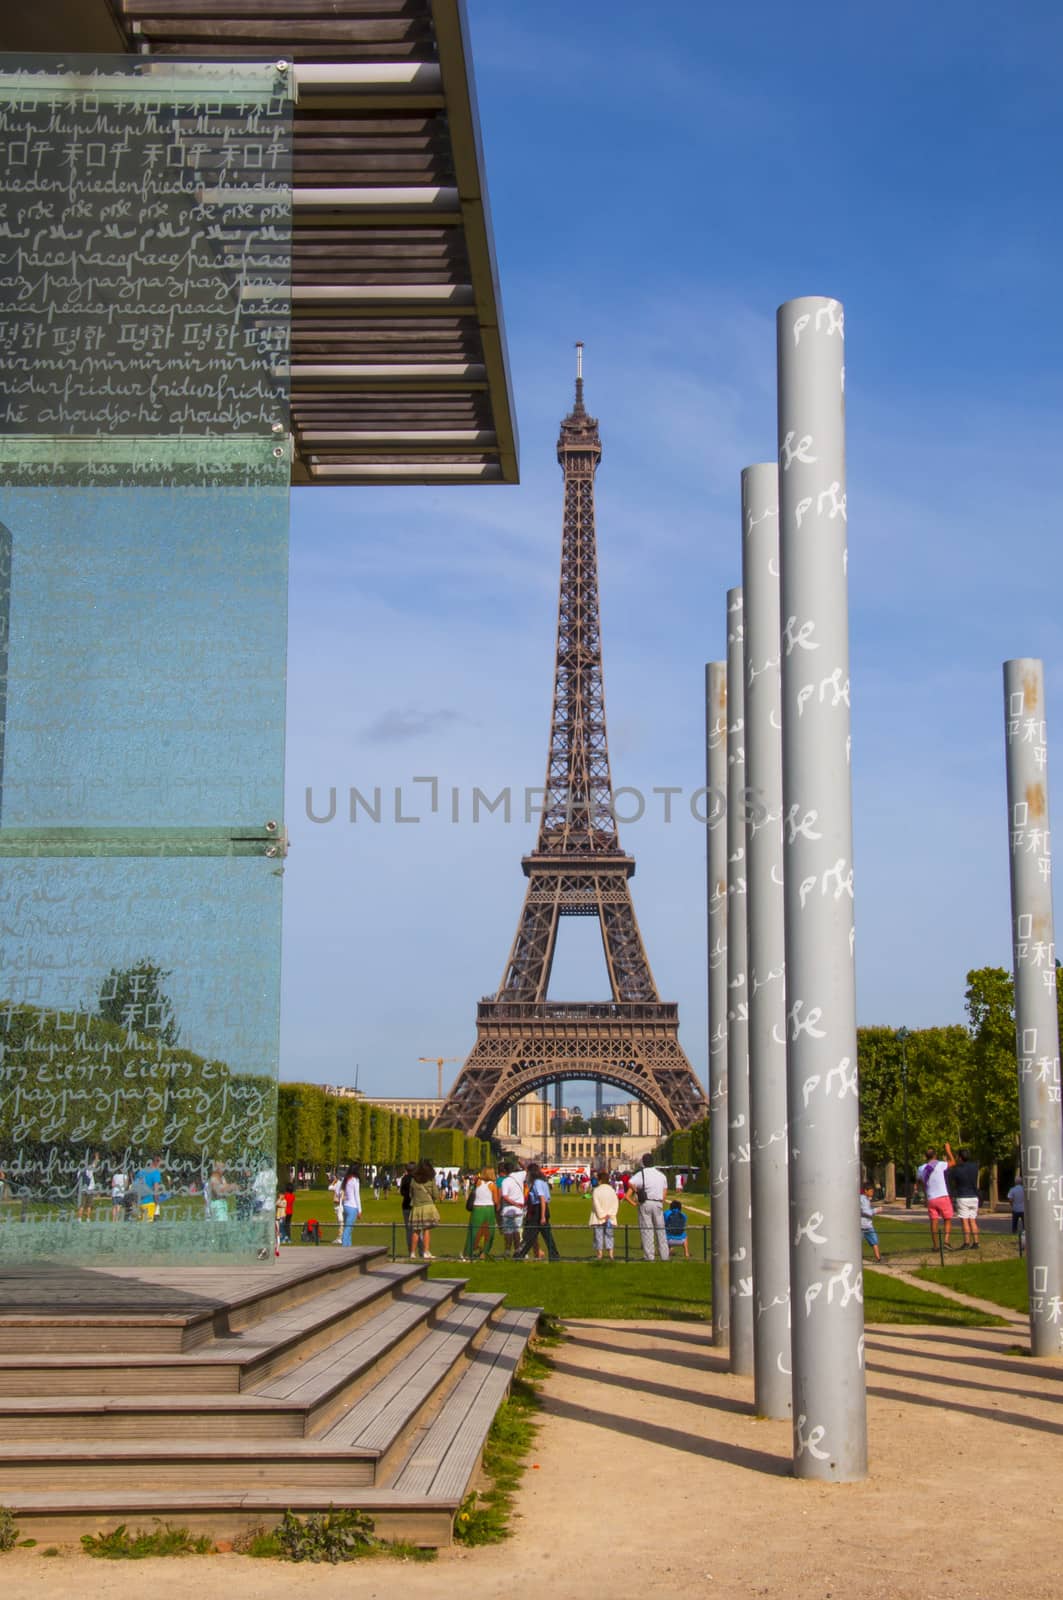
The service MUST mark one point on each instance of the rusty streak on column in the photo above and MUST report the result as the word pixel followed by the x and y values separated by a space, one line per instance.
pixel 1036 1015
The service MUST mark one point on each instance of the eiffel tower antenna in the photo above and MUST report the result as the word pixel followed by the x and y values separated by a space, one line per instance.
pixel 577 869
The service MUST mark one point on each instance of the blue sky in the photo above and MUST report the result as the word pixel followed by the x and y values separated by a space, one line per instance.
pixel 661 179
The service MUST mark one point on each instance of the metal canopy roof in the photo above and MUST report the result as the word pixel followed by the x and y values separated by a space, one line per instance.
pixel 399 365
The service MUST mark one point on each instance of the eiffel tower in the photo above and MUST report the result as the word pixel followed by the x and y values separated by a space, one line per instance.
pixel 578 869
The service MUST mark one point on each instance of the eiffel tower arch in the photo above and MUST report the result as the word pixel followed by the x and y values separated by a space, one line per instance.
pixel 578 869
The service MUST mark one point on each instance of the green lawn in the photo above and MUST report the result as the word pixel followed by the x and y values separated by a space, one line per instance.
pixel 1003 1282
pixel 678 1289
pixel 578 1287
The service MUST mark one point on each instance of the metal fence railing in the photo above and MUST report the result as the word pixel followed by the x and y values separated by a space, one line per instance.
pixel 903 1240
pixel 448 1240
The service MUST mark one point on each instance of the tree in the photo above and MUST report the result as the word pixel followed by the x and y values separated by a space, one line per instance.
pixel 881 1095
pixel 576 1125
pixel 990 1002
pixel 134 998
pixel 606 1125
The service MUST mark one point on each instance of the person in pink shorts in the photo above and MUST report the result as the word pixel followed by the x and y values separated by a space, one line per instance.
pixel 932 1176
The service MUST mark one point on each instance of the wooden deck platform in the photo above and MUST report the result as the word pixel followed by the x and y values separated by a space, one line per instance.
pixel 321 1379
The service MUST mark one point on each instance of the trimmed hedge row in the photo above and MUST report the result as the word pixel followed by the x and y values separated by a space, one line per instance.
pixel 321 1131
pixel 317 1130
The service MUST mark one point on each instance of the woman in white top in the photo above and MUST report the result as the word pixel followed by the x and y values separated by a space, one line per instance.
pixel 480 1234
pixel 605 1204
pixel 335 1189
pixel 352 1202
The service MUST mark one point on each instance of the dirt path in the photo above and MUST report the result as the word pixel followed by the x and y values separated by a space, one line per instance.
pixel 652 1475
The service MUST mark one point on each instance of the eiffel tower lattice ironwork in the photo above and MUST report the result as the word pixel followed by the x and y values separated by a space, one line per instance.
pixel 578 869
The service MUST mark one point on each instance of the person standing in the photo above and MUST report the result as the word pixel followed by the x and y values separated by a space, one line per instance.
pixel 965 1188
pixel 147 1185
pixel 605 1204
pixel 649 1186
pixel 537 1216
pixel 484 1197
pixel 335 1189
pixel 218 1190
pixel 933 1175
pixel 1017 1201
pixel 406 1202
pixel 511 1197
pixel 289 1209
pixel 352 1201
pixel 868 1231
pixel 119 1195
pixel 87 1187
pixel 424 1210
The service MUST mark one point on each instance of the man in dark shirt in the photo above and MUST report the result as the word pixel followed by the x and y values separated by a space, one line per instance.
pixel 407 1203
pixel 964 1176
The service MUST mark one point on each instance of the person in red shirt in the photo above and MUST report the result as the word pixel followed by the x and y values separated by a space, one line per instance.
pixel 289 1207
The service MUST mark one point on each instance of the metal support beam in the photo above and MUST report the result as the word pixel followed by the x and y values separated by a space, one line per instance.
pixel 826 1275
pixel 1036 1015
pixel 739 1218
pixel 766 941
pixel 716 865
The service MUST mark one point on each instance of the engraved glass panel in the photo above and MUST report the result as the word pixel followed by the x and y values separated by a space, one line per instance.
pixel 145 246
pixel 145 213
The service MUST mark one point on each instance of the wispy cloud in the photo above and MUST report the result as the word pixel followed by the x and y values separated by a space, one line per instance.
pixel 400 726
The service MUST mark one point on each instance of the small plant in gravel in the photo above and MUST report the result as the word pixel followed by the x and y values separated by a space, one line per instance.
pixel 8 1530
pixel 330 1535
pixel 121 1545
pixel 259 1541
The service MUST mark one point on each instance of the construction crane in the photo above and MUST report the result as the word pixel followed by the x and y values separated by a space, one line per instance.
pixel 439 1062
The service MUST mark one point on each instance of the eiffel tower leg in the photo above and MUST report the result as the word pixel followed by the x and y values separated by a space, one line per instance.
pixel 527 974
pixel 625 954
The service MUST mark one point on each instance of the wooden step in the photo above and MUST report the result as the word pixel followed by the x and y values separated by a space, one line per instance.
pixel 354 1452
pixel 381 1422
pixel 419 1506
pixel 290 1405
pixel 223 1514
pixel 223 1365
pixel 443 1461
pixel 97 1310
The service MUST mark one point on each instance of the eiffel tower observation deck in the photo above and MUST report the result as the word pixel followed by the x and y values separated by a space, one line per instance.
pixel 577 869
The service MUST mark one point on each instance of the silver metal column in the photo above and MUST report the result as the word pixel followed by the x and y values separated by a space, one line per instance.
pixel 739 1199
pixel 1036 1017
pixel 826 1278
pixel 766 941
pixel 716 865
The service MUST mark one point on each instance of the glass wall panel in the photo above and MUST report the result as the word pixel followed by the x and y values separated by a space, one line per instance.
pixel 144 471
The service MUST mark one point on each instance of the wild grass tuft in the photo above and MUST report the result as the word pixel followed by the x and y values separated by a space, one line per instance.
pixel 484 1515
pixel 121 1545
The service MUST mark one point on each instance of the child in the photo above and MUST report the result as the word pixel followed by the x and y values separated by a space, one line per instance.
pixel 675 1227
pixel 867 1219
